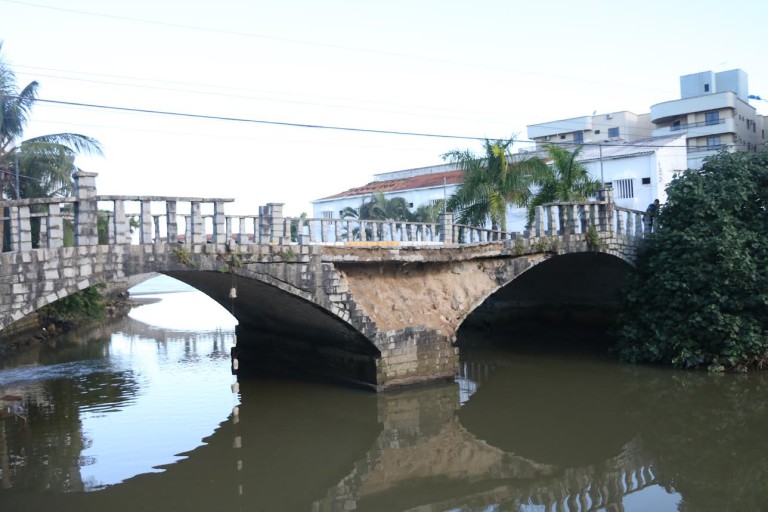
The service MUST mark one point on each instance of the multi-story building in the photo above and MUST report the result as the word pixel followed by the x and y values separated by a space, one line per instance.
pixel 594 129
pixel 713 113
pixel 638 171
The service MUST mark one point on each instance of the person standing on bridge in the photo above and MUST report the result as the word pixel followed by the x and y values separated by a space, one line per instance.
pixel 651 212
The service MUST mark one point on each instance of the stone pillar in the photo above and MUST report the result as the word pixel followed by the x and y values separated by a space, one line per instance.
pixel 197 231
pixel 446 228
pixel 219 235
pixel 21 229
pixel 86 209
pixel 265 225
pixel 171 223
pixel 276 226
pixel 606 210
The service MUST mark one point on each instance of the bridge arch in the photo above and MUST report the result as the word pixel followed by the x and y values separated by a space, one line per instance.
pixel 585 280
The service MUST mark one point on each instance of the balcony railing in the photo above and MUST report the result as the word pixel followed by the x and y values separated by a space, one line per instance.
pixel 686 126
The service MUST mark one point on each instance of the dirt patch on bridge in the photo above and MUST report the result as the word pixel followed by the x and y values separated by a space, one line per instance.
pixel 437 296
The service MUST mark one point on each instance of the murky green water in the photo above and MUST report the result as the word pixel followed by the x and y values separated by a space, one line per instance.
pixel 148 417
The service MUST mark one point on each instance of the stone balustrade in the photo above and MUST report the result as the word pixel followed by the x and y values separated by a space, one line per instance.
pixel 116 219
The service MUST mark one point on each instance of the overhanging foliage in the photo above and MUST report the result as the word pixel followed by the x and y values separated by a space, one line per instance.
pixel 699 295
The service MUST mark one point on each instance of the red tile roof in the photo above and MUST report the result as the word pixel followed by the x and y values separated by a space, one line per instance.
pixel 422 181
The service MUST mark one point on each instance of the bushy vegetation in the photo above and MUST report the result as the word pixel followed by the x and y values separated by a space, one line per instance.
pixel 699 296
pixel 87 304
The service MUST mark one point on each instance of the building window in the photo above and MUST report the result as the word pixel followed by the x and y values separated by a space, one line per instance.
pixel 328 214
pixel 597 132
pixel 646 181
pixel 713 142
pixel 562 137
pixel 706 87
pixel 624 189
pixel 613 132
pixel 711 118
pixel 578 137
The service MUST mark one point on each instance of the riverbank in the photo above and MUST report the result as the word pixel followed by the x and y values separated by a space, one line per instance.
pixel 37 329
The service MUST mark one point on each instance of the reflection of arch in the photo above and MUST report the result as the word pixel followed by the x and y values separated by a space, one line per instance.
pixel 562 411
pixel 267 459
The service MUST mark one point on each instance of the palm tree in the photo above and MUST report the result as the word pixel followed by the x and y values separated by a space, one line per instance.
pixel 429 212
pixel 566 180
pixel 492 182
pixel 43 164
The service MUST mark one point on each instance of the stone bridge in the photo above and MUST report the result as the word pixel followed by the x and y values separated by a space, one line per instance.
pixel 373 302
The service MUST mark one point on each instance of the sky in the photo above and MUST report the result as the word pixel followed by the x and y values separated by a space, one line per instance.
pixel 239 75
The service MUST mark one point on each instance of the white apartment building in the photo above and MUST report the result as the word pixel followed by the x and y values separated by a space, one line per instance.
pixel 638 171
pixel 713 113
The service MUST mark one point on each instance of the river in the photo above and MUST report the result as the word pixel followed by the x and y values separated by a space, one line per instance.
pixel 144 414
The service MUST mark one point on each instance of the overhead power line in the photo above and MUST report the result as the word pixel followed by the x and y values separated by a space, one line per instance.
pixel 256 121
pixel 208 117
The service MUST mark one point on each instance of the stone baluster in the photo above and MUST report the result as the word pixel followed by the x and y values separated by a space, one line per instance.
pixel 619 224
pixel 323 227
pixel 312 230
pixel 638 225
pixel 363 233
pixel 573 219
pixel 337 231
pixel 187 229
pixel 551 226
pixel 538 219
pixel 219 235
pixel 630 223
pixel 156 226
pixel 121 231
pixel 42 239
pixel 145 222
pixel 171 222
pixel 86 209
pixel 374 231
pixel 229 235
pixel 110 227
pixel 242 232
pixel 55 226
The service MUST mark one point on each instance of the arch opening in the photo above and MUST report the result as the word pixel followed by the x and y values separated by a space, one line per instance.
pixel 565 304
pixel 279 333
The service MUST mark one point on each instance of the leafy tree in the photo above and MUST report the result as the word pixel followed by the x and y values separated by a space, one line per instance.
pixel 44 164
pixel 492 182
pixel 566 180
pixel 699 294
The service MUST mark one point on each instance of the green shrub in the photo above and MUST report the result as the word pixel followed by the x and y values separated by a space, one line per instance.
pixel 699 294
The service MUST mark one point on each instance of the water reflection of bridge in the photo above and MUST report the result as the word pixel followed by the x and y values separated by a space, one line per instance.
pixel 320 449
pixel 435 450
